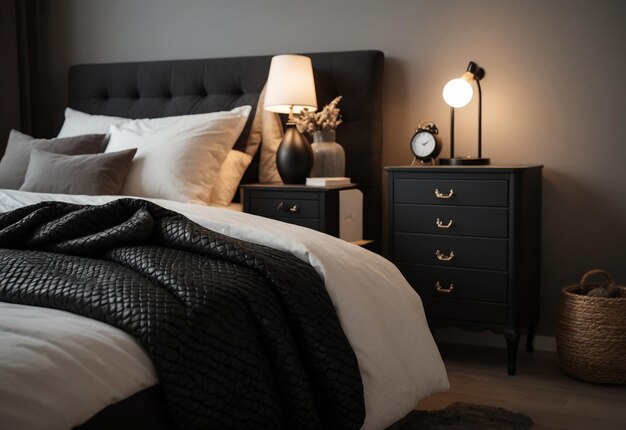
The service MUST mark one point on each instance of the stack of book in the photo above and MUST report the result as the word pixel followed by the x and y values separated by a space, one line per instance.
pixel 324 182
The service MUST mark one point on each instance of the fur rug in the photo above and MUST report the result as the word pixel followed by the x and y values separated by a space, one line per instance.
pixel 464 416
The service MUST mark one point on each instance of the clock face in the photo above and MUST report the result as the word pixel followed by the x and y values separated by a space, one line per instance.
pixel 423 144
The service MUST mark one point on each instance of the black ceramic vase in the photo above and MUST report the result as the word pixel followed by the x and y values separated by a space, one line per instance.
pixel 294 158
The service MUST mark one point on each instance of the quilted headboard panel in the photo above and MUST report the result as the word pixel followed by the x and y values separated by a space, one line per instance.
pixel 182 87
pixel 166 88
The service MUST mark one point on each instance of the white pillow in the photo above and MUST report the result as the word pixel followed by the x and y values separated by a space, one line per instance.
pixel 78 123
pixel 178 158
pixel 229 177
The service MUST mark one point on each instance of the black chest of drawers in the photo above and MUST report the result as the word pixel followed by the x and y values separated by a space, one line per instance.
pixel 468 241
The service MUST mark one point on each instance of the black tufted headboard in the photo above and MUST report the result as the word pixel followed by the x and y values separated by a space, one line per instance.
pixel 182 87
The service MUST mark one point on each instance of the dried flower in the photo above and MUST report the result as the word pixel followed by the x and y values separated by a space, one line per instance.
pixel 325 120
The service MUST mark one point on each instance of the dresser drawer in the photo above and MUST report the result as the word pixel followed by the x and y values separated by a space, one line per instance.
pixel 469 252
pixel 451 220
pixel 457 284
pixel 284 209
pixel 465 311
pixel 460 192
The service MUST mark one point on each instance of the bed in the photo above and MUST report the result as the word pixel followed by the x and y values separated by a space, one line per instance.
pixel 59 369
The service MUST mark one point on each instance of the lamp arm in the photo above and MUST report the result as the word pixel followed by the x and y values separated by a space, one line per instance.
pixel 473 73
pixel 480 120
pixel 477 74
pixel 451 132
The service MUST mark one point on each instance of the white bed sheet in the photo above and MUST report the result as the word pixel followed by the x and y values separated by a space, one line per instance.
pixel 380 313
pixel 58 369
pixel 237 207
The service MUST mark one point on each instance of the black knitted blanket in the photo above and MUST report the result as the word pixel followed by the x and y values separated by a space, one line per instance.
pixel 242 336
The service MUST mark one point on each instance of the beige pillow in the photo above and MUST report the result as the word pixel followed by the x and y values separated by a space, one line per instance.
pixel 255 135
pixel 229 177
pixel 266 126
pixel 233 168
pixel 272 136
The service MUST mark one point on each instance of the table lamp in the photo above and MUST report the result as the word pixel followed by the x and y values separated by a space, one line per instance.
pixel 458 93
pixel 290 89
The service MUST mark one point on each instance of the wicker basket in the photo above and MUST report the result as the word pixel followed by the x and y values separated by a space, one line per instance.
pixel 591 337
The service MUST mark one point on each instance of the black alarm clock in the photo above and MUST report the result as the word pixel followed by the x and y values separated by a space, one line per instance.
pixel 426 143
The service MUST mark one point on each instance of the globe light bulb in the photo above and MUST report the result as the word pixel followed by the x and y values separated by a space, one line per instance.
pixel 457 93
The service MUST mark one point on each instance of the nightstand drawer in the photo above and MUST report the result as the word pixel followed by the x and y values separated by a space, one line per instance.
pixel 461 192
pixel 309 223
pixel 458 284
pixel 468 252
pixel 451 220
pixel 465 311
pixel 285 208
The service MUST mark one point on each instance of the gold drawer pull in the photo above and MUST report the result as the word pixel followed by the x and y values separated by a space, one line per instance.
pixel 443 290
pixel 440 224
pixel 443 257
pixel 284 208
pixel 440 195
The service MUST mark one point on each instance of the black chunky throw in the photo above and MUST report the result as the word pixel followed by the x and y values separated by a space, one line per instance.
pixel 242 336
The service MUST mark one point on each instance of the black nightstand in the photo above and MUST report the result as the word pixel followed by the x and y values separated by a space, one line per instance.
pixel 468 241
pixel 313 207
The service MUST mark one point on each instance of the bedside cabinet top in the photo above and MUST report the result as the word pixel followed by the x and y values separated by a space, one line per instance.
pixel 496 168
pixel 299 188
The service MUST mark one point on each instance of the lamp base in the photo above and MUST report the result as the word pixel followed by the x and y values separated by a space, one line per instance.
pixel 294 158
pixel 464 161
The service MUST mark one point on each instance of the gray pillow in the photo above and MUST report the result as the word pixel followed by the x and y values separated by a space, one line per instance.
pixel 93 174
pixel 14 164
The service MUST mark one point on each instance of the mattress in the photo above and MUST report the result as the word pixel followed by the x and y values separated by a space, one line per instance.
pixel 67 368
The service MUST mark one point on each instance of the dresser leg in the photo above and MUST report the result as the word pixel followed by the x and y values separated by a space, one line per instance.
pixel 512 341
pixel 530 338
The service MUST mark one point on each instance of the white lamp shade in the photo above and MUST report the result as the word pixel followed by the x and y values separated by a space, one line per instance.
pixel 458 93
pixel 290 84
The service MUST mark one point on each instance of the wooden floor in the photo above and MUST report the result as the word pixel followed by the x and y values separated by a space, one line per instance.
pixel 539 389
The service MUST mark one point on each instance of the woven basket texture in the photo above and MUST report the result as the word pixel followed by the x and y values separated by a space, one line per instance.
pixel 591 336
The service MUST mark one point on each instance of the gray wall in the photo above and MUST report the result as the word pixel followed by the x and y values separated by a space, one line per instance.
pixel 554 93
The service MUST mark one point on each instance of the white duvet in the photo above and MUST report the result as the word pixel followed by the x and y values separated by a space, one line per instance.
pixel 58 369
